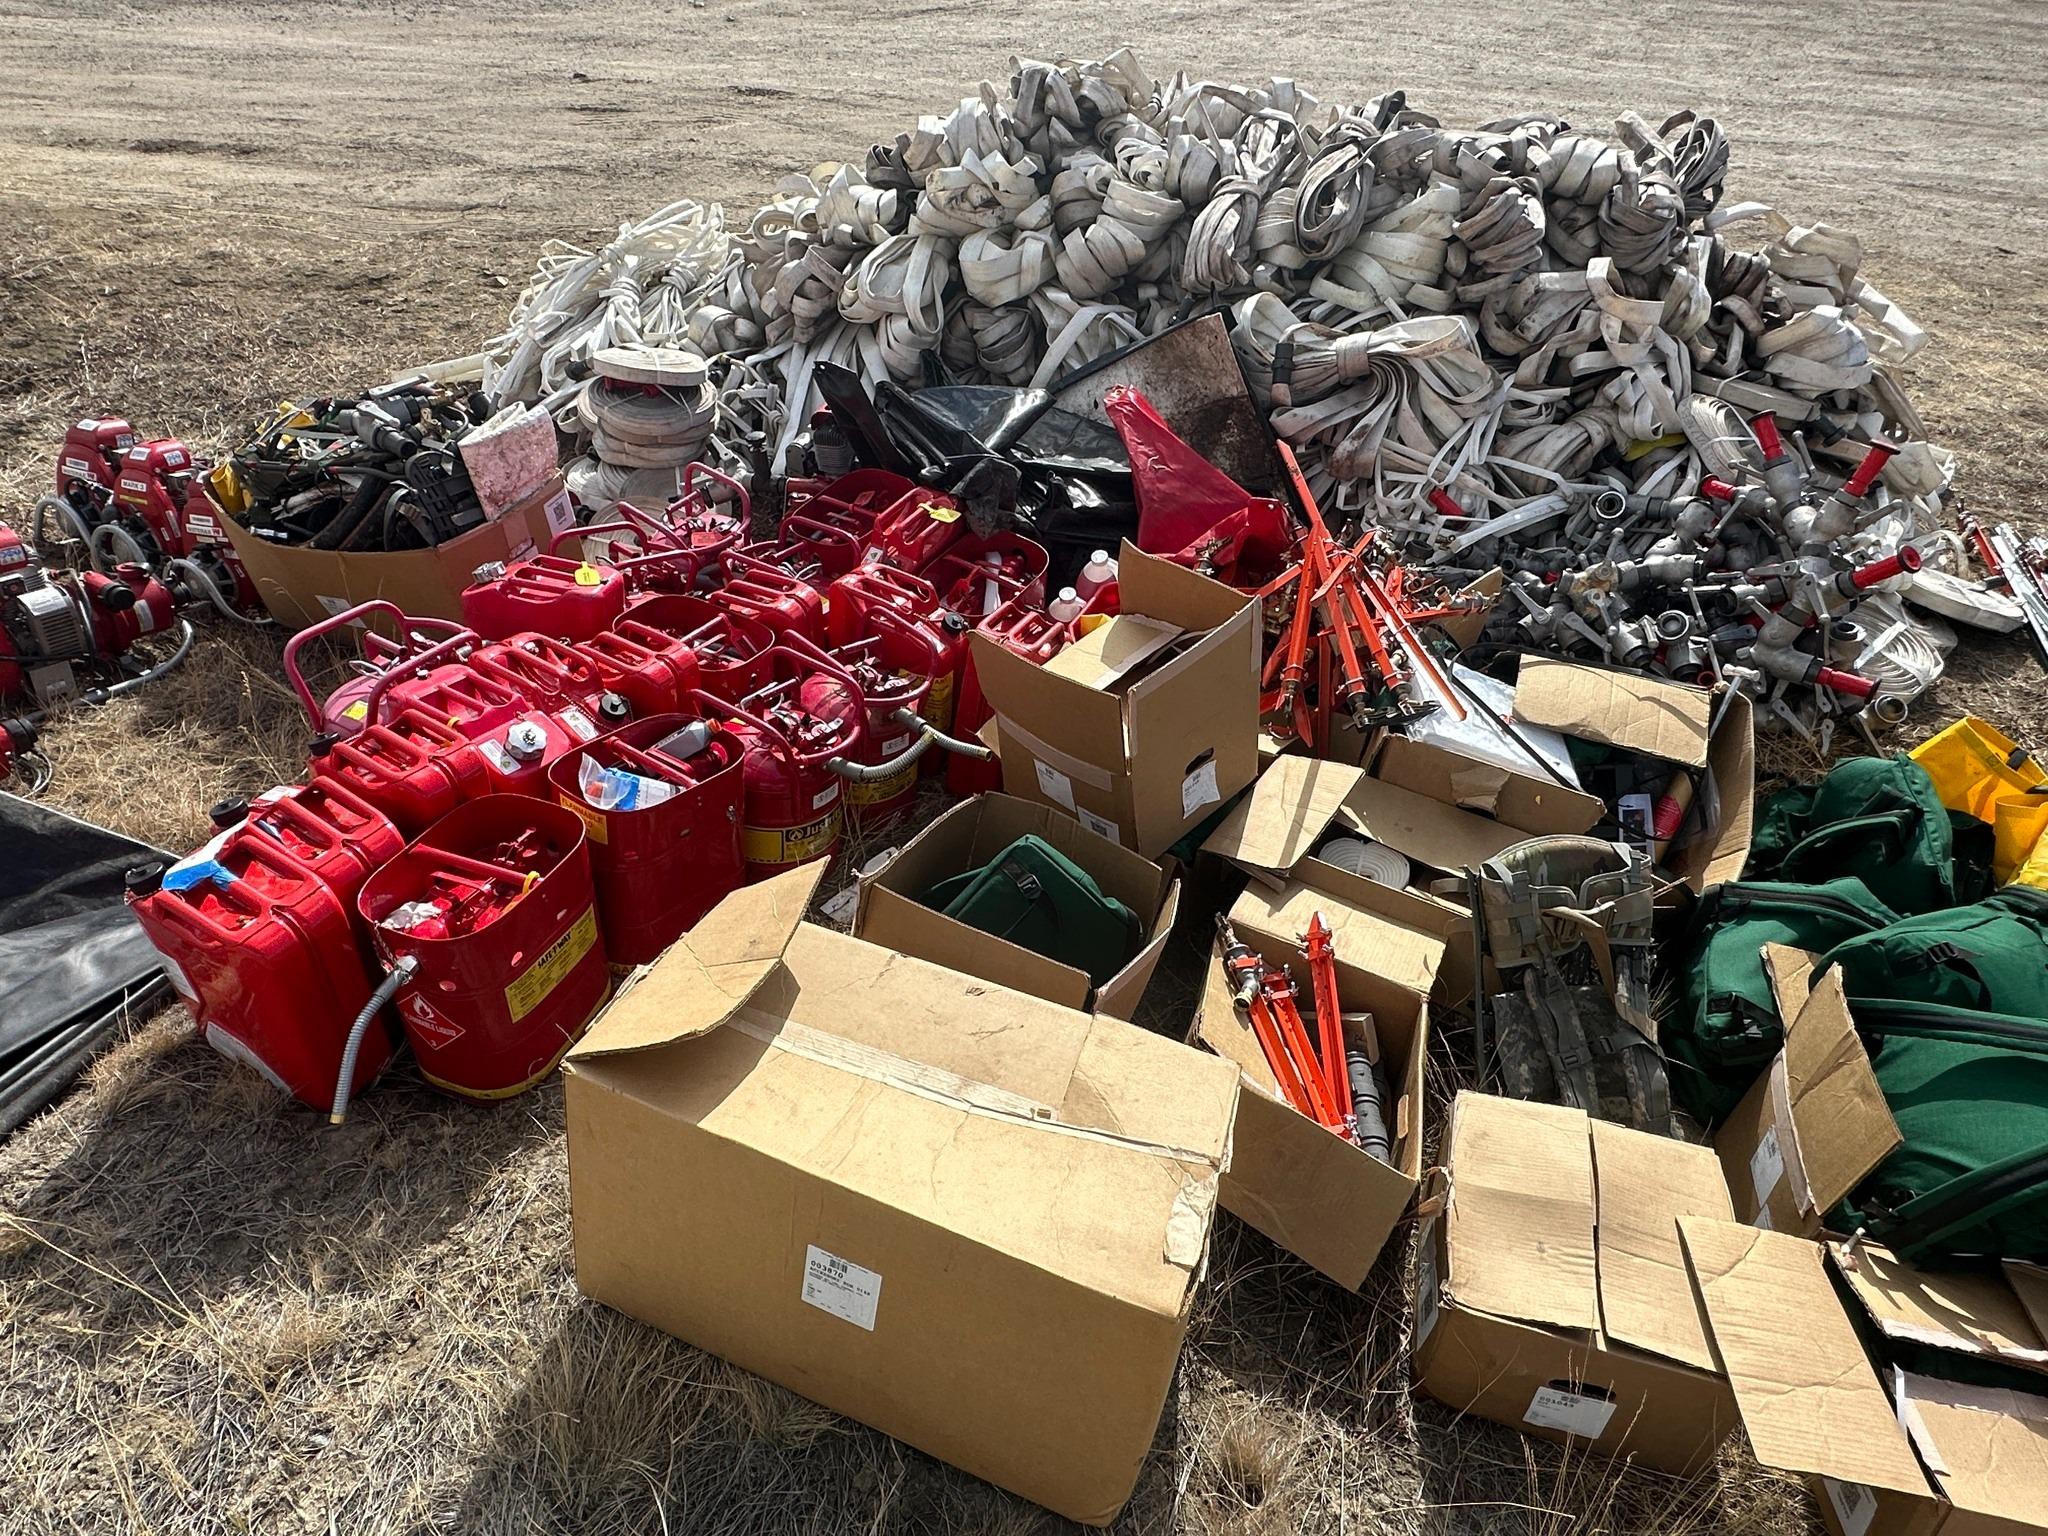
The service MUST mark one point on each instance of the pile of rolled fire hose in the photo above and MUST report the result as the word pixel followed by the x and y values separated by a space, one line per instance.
pixel 1520 345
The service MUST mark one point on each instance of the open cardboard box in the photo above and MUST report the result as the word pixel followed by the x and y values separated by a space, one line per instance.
pixel 1815 1124
pixel 1317 1195
pixel 965 1216
pixel 301 585
pixel 1145 725
pixel 969 835
pixel 1553 1294
pixel 1298 802
pixel 1891 1454
pixel 1658 719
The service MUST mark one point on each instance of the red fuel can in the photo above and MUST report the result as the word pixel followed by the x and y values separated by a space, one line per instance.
pixel 651 671
pixel 794 808
pixel 340 837
pixel 265 955
pixel 547 594
pixel 770 595
pixel 543 671
pixel 413 768
pixel 661 865
pixel 1031 633
pixel 730 649
pixel 853 502
pixel 918 528
pixel 495 904
pixel 976 576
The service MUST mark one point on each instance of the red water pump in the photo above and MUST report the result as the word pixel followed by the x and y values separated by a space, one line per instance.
pixel 67 635
pixel 129 501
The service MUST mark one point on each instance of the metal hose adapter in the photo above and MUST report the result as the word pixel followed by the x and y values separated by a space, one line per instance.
pixel 398 976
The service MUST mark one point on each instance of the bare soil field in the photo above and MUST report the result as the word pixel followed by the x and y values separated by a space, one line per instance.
pixel 215 1314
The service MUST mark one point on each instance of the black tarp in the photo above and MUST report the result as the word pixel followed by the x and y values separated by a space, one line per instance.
pixel 71 958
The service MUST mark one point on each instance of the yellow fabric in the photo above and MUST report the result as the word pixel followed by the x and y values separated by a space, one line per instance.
pixel 1968 763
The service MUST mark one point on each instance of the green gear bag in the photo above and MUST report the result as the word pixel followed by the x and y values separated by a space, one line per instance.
pixel 1723 1028
pixel 1037 898
pixel 1880 819
pixel 1969 1090
pixel 1991 957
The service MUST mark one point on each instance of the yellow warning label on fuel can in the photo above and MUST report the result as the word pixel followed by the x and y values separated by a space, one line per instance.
pixel 790 845
pixel 593 821
pixel 530 988
pixel 878 790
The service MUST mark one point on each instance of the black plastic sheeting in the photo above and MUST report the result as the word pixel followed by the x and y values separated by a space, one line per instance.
pixel 71 958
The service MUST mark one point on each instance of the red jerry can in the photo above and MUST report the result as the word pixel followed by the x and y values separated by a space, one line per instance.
pixel 921 526
pixel 854 501
pixel 1033 634
pixel 413 768
pixel 770 595
pixel 337 835
pixel 659 865
pixel 651 671
pixel 265 955
pixel 548 594
pixel 730 649
pixel 494 904
pixel 548 673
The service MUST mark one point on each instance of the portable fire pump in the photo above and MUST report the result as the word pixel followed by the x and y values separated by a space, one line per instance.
pixel 127 500
pixel 67 636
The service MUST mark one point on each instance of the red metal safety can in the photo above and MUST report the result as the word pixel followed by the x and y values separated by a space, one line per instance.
pixel 1031 633
pixel 546 594
pixel 794 809
pixel 976 576
pixel 662 865
pixel 768 594
pixel 549 673
pixel 413 768
pixel 265 954
pixel 854 501
pixel 496 906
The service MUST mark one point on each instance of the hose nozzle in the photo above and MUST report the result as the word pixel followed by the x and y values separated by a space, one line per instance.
pixel 1859 484
pixel 1905 562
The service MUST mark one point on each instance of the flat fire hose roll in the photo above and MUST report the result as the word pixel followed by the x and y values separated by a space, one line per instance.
pixel 1375 861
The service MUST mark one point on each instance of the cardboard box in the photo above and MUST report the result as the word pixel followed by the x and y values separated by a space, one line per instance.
pixel 301 586
pixel 1815 1124
pixel 1892 1454
pixel 1553 1293
pixel 1321 1198
pixel 965 1216
pixel 1667 721
pixel 1149 723
pixel 1298 802
pixel 968 836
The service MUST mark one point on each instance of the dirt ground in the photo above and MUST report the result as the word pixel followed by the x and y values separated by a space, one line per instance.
pixel 216 1315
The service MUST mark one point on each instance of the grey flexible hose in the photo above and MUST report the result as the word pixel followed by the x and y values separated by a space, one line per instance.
pixel 130 684
pixel 195 573
pixel 397 977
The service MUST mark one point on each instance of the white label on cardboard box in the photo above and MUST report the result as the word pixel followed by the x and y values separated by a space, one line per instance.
pixel 561 516
pixel 1101 826
pixel 1766 1165
pixel 1855 1504
pixel 1199 789
pixel 841 1287
pixel 1054 785
pixel 1575 1413
pixel 334 605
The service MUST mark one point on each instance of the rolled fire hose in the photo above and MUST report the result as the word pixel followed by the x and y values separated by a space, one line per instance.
pixel 387 989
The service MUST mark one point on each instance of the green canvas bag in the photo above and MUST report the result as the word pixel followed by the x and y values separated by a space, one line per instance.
pixel 1880 819
pixel 1722 1027
pixel 1969 1091
pixel 1990 957
pixel 1037 898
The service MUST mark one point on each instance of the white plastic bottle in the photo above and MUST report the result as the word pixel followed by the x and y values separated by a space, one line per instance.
pixel 1066 607
pixel 1097 574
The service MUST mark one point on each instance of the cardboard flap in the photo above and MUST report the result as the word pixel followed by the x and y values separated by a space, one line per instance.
pixel 1395 956
pixel 1147 584
pixel 1985 1447
pixel 1085 722
pixel 1970 1312
pixel 1423 828
pixel 1803 1385
pixel 1617 709
pixel 1289 807
pixel 2029 1283
pixel 1114 650
pixel 1643 1184
pixel 1519 1225
pixel 710 971
pixel 1840 1121
pixel 1532 806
